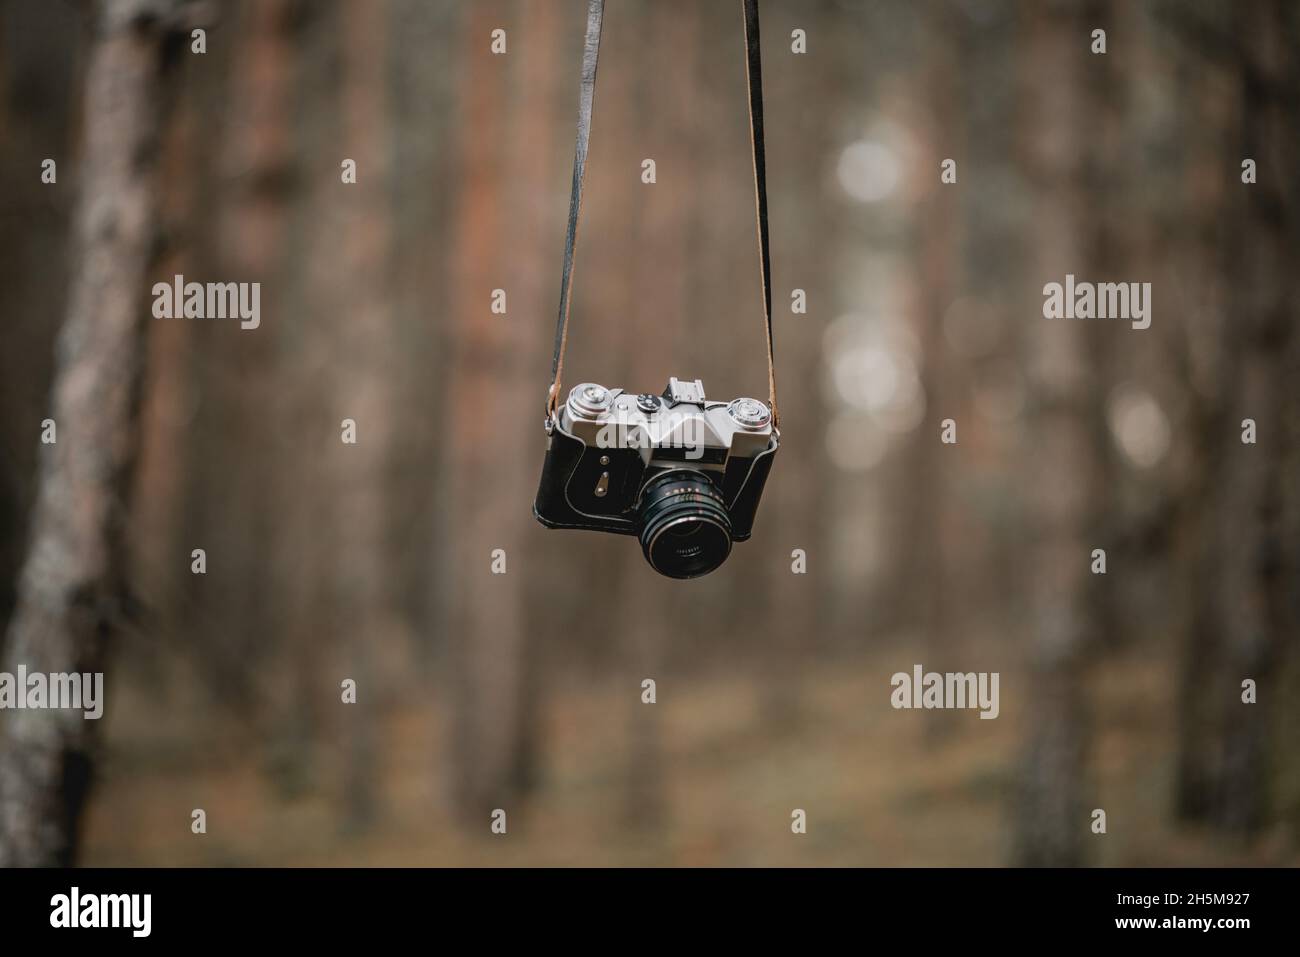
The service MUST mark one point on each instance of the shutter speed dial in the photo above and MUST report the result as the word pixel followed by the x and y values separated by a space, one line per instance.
pixel 749 413
pixel 589 400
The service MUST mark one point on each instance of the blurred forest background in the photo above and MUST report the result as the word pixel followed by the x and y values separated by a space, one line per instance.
pixel 522 691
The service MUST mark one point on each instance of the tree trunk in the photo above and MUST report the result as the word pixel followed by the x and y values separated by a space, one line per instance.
pixel 1210 107
pixel 1254 591
pixel 490 391
pixel 71 593
pixel 1060 461
pixel 362 580
pixel 927 494
pixel 38 117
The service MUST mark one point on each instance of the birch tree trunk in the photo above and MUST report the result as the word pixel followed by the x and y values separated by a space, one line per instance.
pixel 71 592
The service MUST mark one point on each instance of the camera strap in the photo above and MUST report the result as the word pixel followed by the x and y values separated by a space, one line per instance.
pixel 586 95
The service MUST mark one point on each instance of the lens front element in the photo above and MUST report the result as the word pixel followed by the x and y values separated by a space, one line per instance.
pixel 685 529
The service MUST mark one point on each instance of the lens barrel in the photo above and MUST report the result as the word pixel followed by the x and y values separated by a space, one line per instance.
pixel 685 529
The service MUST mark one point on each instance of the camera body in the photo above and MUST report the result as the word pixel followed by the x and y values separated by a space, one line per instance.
pixel 682 473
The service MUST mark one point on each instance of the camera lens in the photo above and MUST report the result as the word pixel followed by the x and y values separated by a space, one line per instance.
pixel 685 529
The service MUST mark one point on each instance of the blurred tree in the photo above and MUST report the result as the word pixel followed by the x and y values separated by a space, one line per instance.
pixel 486 624
pixel 1226 768
pixel 303 458
pixel 1105 244
pixel 935 284
pixel 41 49
pixel 72 596
pixel 540 104
pixel 1060 471
pixel 787 632
pixel 1255 592
pixel 1211 105
pixel 362 574
pixel 426 55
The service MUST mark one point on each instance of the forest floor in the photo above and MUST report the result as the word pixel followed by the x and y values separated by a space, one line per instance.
pixel 879 786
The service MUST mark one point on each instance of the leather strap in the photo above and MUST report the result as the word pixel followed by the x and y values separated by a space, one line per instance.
pixel 754 82
pixel 586 95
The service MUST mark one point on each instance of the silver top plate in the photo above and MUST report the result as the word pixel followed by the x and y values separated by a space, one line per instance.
pixel 692 428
